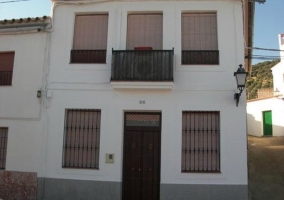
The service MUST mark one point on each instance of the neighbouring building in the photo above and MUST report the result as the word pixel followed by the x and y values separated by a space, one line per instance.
pixel 265 115
pixel 23 45
pixel 136 101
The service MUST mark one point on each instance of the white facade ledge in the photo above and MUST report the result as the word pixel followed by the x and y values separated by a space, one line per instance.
pixel 142 85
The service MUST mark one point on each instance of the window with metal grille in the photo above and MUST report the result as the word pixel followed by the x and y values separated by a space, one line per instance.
pixel 6 67
pixel 90 39
pixel 82 138
pixel 200 141
pixel 3 146
pixel 199 38
pixel 145 30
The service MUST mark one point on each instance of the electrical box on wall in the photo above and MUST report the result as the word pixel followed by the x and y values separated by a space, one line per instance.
pixel 109 158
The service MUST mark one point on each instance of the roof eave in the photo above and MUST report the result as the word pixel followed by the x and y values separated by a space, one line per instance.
pixel 249 19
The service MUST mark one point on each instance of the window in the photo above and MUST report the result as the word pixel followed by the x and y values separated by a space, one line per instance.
pixel 90 39
pixel 3 146
pixel 81 138
pixel 200 141
pixel 199 38
pixel 6 67
pixel 145 30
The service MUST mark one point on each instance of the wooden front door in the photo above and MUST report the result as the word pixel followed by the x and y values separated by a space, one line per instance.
pixel 141 156
pixel 267 123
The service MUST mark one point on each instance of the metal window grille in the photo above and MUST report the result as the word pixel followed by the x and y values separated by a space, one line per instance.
pixel 3 146
pixel 200 57
pixel 6 67
pixel 132 65
pixel 142 119
pixel 82 138
pixel 6 77
pixel 200 141
pixel 88 56
pixel 199 38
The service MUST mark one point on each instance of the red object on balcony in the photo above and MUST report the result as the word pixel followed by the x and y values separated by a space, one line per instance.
pixel 143 48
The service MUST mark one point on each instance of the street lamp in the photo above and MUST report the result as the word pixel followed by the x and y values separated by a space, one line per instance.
pixel 276 92
pixel 241 76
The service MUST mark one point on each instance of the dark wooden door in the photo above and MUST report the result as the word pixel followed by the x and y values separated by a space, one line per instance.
pixel 141 161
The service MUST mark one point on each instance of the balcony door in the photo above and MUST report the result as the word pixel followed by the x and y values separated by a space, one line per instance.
pixel 141 156
pixel 145 30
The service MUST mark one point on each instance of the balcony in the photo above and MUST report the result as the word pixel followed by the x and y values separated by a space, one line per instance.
pixel 142 68
pixel 88 56
pixel 200 57
pixel 6 77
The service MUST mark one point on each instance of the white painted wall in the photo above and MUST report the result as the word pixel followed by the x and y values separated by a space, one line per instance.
pixel 20 109
pixel 255 116
pixel 20 100
pixel 281 45
pixel 278 77
pixel 215 77
pixel 171 104
pixel 278 70
pixel 195 88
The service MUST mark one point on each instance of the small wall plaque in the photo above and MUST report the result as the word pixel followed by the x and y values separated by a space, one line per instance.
pixel 109 158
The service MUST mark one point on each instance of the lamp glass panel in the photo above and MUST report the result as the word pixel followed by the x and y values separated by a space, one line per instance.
pixel 276 92
pixel 241 79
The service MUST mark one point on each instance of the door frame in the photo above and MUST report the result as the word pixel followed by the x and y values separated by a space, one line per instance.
pixel 141 128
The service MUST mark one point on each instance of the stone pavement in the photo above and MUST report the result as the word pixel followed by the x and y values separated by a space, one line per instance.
pixel 266 168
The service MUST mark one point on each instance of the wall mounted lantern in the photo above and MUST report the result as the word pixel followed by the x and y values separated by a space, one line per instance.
pixel 241 76
pixel 276 92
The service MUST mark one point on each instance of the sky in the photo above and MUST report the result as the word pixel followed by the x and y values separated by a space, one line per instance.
pixel 268 21
pixel 268 24
pixel 22 9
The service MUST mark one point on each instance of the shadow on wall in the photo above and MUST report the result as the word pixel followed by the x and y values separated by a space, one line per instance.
pixel 255 127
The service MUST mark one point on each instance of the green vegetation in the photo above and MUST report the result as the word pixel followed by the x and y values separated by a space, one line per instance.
pixel 261 77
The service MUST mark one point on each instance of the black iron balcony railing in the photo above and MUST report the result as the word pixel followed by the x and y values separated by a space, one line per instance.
pixel 142 65
pixel 88 56
pixel 6 77
pixel 201 57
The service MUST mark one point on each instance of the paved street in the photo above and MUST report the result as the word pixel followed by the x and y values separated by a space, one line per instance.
pixel 266 168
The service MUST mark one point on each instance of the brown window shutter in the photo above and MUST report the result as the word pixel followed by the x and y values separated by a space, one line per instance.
pixel 145 30
pixel 199 31
pixel 90 32
pixel 7 61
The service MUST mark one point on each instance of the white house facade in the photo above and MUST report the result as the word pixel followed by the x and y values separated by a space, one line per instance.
pixel 137 102
pixel 164 125
pixel 265 116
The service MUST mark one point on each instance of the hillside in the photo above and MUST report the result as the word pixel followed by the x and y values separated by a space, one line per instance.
pixel 261 77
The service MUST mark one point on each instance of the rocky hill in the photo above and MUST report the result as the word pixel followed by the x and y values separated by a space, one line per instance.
pixel 261 77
